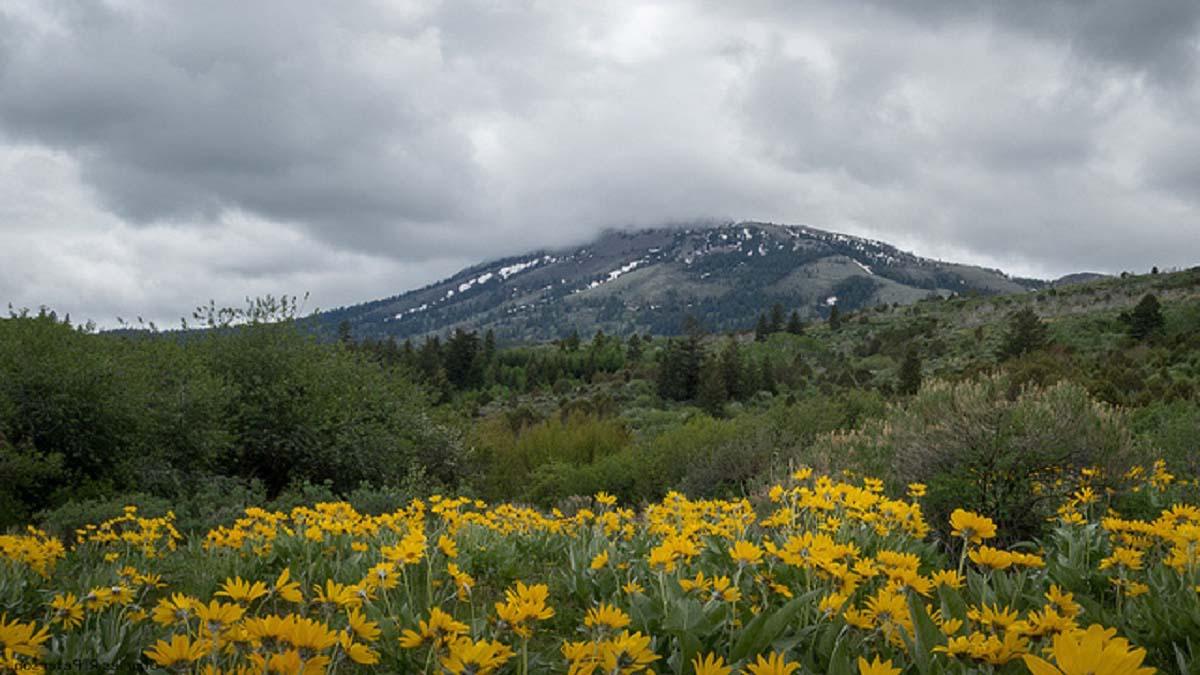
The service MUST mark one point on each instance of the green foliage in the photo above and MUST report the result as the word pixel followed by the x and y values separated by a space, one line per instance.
pixel 507 457
pixel 835 318
pixel 679 368
pixel 978 449
pixel 86 416
pixel 1026 333
pixel 711 392
pixel 1146 320
pixel 910 374
pixel 1170 431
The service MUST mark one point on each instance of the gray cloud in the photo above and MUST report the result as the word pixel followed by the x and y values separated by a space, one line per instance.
pixel 154 154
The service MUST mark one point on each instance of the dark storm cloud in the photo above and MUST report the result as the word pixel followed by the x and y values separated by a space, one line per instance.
pixel 1154 36
pixel 1158 37
pixel 157 153
pixel 182 110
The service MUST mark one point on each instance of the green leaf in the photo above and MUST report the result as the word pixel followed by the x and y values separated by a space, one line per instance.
pixel 685 616
pixel 926 635
pixel 763 630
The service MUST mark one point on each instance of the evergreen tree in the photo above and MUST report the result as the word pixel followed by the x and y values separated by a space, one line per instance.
pixel 835 318
pixel 390 350
pixel 910 373
pixel 571 343
pixel 711 394
pixel 776 323
pixel 486 360
pixel 767 379
pixel 794 325
pixel 633 349
pixel 429 358
pixel 1147 318
pixel 762 329
pixel 489 346
pixel 679 373
pixel 679 369
pixel 732 370
pixel 345 336
pixel 460 360
pixel 1026 333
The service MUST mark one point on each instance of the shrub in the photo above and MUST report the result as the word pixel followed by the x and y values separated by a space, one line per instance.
pixel 977 449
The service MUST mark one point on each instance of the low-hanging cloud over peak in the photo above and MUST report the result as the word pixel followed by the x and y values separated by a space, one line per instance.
pixel 157 153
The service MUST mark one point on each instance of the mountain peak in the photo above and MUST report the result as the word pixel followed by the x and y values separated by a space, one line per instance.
pixel 627 281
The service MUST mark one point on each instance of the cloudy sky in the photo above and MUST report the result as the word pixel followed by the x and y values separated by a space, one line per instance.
pixel 155 154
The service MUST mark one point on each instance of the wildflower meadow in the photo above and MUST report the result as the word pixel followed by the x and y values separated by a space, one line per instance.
pixel 819 575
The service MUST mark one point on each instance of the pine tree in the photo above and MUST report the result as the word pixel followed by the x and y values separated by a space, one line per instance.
pixel 835 318
pixel 429 357
pixel 733 370
pixel 776 323
pixel 910 374
pixel 633 349
pixel 1026 333
pixel 460 359
pixel 767 380
pixel 572 341
pixel 711 394
pixel 794 325
pixel 345 335
pixel 679 369
pixel 761 329
pixel 1147 318
pixel 486 366
pixel 489 347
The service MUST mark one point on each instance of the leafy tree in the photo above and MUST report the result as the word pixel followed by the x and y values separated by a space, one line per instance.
pixel 1026 333
pixel 1147 318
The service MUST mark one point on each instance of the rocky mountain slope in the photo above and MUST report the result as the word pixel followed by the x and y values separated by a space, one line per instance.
pixel 649 280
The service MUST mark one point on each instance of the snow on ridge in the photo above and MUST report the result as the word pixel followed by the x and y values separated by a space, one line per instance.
pixel 864 267
pixel 611 276
pixel 506 272
pixel 414 310
pixel 623 269
pixel 481 279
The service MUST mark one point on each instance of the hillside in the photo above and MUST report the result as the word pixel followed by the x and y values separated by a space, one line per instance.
pixel 649 280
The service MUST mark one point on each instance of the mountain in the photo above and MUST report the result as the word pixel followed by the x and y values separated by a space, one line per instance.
pixel 650 280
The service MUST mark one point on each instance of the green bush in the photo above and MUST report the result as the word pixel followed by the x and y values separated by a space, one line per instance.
pixel 977 448
pixel 84 416
pixel 506 458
